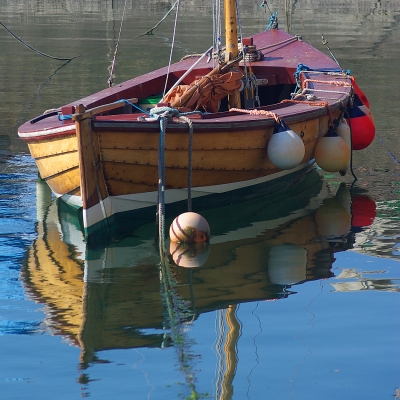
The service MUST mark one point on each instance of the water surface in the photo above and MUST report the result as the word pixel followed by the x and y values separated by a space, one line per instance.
pixel 298 296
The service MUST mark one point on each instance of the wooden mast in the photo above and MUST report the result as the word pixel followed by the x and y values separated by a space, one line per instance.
pixel 231 39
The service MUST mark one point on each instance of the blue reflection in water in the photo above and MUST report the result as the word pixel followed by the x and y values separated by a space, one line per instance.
pixel 17 217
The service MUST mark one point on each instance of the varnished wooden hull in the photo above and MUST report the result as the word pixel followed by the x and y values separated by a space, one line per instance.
pixel 107 163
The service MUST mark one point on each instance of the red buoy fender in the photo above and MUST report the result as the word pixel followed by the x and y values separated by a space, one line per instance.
pixel 362 128
pixel 359 92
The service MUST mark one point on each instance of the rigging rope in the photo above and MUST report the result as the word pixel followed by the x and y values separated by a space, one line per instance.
pixel 110 79
pixel 172 47
pixel 39 52
pixel 150 31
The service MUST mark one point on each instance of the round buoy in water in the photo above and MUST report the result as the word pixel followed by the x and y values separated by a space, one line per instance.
pixel 285 148
pixel 189 255
pixel 362 128
pixel 363 210
pixel 332 153
pixel 287 264
pixel 189 227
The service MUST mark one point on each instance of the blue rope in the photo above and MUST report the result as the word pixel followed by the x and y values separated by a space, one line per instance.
pixel 133 105
pixel 273 21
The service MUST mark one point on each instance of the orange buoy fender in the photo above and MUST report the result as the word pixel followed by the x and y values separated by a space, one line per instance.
pixel 332 153
pixel 362 128
pixel 285 148
pixel 189 227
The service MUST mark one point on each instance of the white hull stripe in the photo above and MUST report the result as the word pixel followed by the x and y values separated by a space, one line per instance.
pixel 118 204
pixel 61 129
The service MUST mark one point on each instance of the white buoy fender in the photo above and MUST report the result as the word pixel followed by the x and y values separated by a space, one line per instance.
pixel 343 130
pixel 332 153
pixel 189 227
pixel 285 148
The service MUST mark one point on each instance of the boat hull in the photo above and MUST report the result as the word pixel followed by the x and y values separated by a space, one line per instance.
pixel 106 160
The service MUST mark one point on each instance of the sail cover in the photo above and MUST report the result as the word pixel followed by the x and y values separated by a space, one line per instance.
pixel 205 92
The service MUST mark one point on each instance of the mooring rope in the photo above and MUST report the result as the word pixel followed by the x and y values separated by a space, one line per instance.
pixel 164 114
pixel 39 52
pixel 150 31
pixel 110 79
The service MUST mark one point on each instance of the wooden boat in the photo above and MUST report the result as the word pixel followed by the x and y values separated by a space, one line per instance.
pixel 103 155
pixel 114 294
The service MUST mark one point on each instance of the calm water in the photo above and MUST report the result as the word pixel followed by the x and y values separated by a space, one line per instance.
pixel 290 303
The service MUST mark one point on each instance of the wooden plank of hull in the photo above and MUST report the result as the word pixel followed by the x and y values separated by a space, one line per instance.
pixel 130 158
pixel 65 183
pixel 48 147
pixel 58 163
pixel 125 179
pixel 243 159
pixel 209 140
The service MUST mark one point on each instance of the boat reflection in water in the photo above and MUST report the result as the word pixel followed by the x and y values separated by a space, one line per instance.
pixel 109 298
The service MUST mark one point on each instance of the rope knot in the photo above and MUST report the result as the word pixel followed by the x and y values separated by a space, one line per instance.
pixel 167 112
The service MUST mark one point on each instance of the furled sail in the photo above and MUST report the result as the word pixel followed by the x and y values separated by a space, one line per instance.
pixel 205 92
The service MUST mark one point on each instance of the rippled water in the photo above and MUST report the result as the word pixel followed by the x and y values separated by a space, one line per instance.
pixel 290 303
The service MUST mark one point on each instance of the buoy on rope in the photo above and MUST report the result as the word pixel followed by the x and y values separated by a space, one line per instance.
pixel 332 153
pixel 363 211
pixel 343 131
pixel 362 128
pixel 285 148
pixel 359 92
pixel 189 255
pixel 287 264
pixel 189 227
